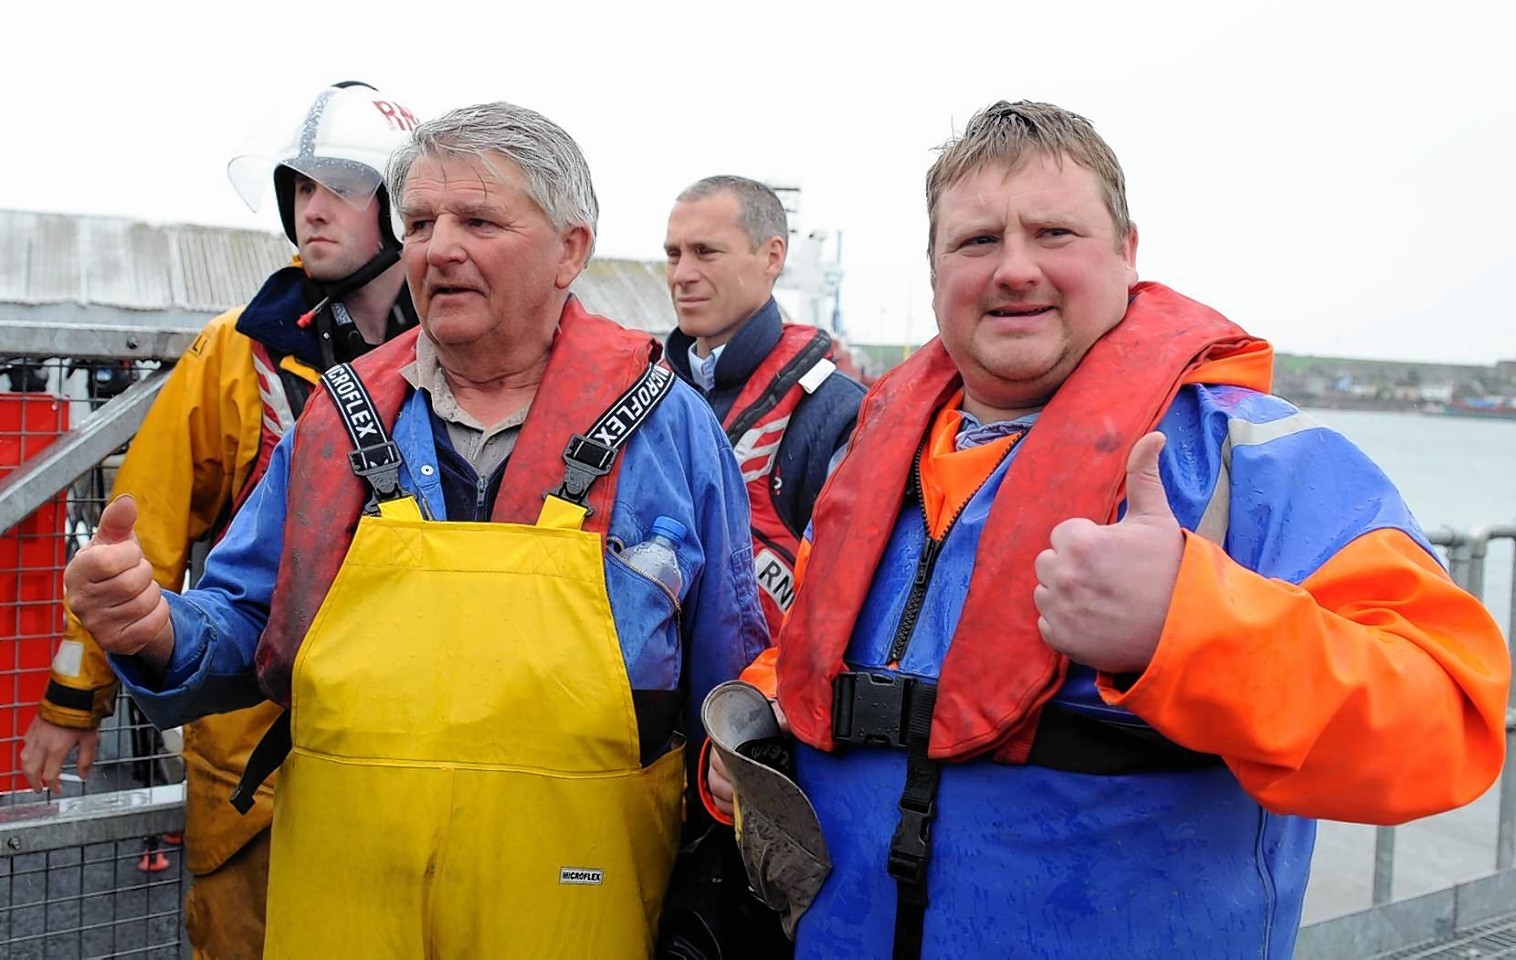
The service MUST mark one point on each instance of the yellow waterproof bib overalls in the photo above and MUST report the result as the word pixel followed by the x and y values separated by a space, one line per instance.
pixel 464 779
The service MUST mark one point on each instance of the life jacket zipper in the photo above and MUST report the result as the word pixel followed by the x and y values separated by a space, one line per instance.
pixel 930 550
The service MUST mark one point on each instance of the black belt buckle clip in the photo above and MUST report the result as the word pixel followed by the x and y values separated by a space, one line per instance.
pixel 869 709
pixel 911 846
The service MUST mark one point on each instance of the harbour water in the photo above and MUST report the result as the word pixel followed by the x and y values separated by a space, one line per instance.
pixel 1458 473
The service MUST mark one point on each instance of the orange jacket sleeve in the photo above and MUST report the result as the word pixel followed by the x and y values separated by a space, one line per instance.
pixel 1375 691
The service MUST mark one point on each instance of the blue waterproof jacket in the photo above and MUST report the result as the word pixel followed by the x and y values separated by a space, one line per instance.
pixel 1032 861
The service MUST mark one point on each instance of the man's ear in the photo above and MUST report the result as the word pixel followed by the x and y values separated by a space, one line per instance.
pixel 774 251
pixel 1129 254
pixel 574 255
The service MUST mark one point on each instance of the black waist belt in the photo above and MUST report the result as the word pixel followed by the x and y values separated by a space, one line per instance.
pixel 657 714
pixel 872 709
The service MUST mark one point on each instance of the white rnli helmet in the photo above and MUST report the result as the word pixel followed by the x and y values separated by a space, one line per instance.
pixel 343 142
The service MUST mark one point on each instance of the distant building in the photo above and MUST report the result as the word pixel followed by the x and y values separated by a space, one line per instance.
pixel 93 270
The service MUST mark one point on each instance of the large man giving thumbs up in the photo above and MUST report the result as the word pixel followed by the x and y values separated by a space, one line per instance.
pixel 1091 625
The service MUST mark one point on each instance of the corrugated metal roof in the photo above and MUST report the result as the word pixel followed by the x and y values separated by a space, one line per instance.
pixel 123 264
pixel 634 293
pixel 50 258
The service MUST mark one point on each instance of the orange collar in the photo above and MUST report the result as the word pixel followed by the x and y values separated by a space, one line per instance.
pixel 949 476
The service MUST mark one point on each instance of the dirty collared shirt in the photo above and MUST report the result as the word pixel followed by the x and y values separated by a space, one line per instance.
pixel 484 447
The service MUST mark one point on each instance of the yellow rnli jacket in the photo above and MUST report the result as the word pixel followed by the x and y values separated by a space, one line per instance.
pixel 190 460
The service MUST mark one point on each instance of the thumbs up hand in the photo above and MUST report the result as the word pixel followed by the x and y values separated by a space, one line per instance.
pixel 1103 591
pixel 109 586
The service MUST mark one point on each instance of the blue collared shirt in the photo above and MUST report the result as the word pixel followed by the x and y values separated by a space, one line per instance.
pixel 972 433
pixel 703 369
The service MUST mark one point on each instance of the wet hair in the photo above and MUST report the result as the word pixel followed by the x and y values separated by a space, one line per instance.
pixel 1006 134
pixel 557 177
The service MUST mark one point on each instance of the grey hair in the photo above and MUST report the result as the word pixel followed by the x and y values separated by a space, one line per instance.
pixel 761 216
pixel 557 177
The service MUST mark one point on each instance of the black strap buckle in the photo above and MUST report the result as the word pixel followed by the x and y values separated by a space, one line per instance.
pixel 872 709
pixel 584 462
pixel 911 846
pixel 379 466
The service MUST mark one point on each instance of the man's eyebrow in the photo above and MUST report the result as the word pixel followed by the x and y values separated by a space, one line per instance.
pixel 977 224
pixel 1053 215
pixel 481 209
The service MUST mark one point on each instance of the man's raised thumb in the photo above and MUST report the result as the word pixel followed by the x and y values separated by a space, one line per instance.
pixel 1145 496
pixel 117 520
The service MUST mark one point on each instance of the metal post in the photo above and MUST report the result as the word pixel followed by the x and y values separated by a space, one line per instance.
pixel 1505 838
pixel 1478 545
pixel 1384 864
pixel 1460 558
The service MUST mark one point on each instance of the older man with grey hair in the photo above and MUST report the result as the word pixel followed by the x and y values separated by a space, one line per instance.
pixel 487 573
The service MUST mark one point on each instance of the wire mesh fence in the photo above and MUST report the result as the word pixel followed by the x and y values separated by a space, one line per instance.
pixel 91 869
pixel 90 901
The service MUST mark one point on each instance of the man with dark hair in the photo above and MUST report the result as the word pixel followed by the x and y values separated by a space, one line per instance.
pixel 1092 626
pixel 773 385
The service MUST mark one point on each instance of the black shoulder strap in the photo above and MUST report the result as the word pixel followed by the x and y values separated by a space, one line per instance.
pixel 590 455
pixel 791 374
pixel 375 457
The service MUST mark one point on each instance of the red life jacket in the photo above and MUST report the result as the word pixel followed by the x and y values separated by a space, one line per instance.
pixel 756 424
pixel 998 673
pixel 593 361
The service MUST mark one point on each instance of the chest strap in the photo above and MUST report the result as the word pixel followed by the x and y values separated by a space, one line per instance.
pixel 809 368
pixel 889 710
pixel 266 757
pixel 591 455
pixel 877 709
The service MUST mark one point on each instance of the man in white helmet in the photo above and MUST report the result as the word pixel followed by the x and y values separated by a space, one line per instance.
pixel 205 444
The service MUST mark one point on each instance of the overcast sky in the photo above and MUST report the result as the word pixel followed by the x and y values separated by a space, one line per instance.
pixel 1334 177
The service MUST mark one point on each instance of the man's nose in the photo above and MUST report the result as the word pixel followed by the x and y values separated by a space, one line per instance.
pixel 681 272
pixel 445 244
pixel 1018 266
pixel 319 208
